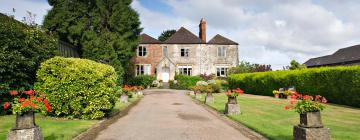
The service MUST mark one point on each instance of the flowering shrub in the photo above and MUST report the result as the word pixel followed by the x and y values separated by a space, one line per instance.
pixel 27 101
pixel 201 83
pixel 306 103
pixel 275 92
pixel 234 92
pixel 196 89
pixel 127 89
pixel 207 76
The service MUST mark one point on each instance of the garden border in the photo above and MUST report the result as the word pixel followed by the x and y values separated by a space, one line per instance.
pixel 237 125
pixel 94 130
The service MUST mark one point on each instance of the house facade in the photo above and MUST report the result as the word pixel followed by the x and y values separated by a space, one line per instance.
pixel 185 53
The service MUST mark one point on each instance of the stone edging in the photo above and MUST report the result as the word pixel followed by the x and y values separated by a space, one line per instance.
pixel 237 125
pixel 94 130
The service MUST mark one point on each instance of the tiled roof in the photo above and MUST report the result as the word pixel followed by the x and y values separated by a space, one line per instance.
pixel 183 36
pixel 341 56
pixel 146 39
pixel 218 39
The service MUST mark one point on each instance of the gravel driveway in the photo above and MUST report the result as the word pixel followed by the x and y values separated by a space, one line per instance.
pixel 169 115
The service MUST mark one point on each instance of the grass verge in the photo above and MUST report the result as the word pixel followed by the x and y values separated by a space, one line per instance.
pixel 266 115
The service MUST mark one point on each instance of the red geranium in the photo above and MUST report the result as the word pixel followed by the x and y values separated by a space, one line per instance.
pixel 13 92
pixel 21 99
pixel 306 103
pixel 6 105
pixel 234 93
pixel 29 92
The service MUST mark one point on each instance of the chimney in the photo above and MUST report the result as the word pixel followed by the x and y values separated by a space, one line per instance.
pixel 202 30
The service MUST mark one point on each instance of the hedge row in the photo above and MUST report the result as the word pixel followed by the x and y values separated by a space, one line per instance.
pixel 77 88
pixel 340 85
pixel 184 81
pixel 141 80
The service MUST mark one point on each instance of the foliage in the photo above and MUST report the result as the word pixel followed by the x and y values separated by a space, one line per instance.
pixel 294 65
pixel 340 85
pixel 141 80
pixel 26 101
pixel 234 93
pixel 207 77
pixel 106 31
pixel 307 103
pixel 201 83
pixel 184 81
pixel 77 88
pixel 247 67
pixel 166 34
pixel 275 92
pixel 22 49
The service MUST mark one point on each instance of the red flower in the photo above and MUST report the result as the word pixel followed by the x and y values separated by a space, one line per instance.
pixel 238 90
pixel 29 92
pixel 21 99
pixel 47 105
pixel 228 92
pixel 307 97
pixel 6 105
pixel 287 107
pixel 13 92
pixel 25 104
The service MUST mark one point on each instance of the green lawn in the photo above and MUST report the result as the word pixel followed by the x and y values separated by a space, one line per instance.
pixel 267 116
pixel 58 128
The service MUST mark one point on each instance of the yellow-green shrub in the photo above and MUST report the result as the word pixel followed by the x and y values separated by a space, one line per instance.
pixel 340 85
pixel 77 88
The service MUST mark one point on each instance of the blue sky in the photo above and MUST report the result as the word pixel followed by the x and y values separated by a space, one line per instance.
pixel 268 31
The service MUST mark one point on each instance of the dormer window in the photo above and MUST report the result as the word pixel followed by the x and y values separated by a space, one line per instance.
pixel 221 51
pixel 142 51
pixel 185 52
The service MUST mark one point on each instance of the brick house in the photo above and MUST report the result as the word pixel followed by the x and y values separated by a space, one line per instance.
pixel 185 53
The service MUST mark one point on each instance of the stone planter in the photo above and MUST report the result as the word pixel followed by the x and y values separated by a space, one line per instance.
pixel 276 95
pixel 311 128
pixel 311 119
pixel 197 95
pixel 139 93
pixel 231 107
pixel 209 98
pixel 124 98
pixel 25 128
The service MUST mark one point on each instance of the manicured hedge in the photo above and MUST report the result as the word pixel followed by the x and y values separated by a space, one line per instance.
pixel 142 80
pixel 340 85
pixel 77 88
pixel 184 81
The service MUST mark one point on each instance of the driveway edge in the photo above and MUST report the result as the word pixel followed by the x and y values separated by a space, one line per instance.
pixel 94 130
pixel 237 125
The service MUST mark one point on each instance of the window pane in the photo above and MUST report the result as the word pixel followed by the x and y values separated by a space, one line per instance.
pixel 140 51
pixel 165 51
pixel 144 51
pixel 182 52
pixel 187 52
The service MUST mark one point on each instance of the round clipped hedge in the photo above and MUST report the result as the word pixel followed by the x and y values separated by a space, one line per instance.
pixel 340 85
pixel 77 88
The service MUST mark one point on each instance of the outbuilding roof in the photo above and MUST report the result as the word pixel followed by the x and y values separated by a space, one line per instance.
pixel 218 39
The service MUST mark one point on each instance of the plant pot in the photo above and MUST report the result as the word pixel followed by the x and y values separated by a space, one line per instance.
pixel 209 98
pixel 276 95
pixel 25 120
pixel 311 120
pixel 124 98
pixel 232 100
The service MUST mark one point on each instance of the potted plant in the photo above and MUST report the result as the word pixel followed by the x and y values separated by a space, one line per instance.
pixel 209 97
pixel 276 93
pixel 309 107
pixel 127 90
pixel 231 106
pixel 139 90
pixel 24 104
pixel 288 94
pixel 197 91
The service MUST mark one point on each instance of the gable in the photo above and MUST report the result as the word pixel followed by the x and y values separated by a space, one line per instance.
pixel 183 36
pixel 220 40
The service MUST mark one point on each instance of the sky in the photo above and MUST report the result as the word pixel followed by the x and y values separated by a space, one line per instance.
pixel 268 31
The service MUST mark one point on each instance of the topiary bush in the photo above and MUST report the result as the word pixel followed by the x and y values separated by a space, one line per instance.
pixel 142 80
pixel 340 85
pixel 77 88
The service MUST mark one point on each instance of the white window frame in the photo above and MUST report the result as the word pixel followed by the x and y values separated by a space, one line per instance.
pixel 221 51
pixel 142 51
pixel 185 69
pixel 142 69
pixel 186 52
pixel 221 71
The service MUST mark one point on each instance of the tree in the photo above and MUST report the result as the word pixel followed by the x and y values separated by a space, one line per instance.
pixel 166 34
pixel 247 67
pixel 296 65
pixel 105 30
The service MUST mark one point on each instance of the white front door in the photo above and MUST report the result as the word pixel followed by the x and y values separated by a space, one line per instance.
pixel 165 76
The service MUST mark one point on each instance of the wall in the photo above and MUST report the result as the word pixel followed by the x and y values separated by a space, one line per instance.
pixel 153 56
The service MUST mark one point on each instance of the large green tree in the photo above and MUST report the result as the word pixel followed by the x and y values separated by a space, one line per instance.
pixel 105 30
pixel 296 65
pixel 166 34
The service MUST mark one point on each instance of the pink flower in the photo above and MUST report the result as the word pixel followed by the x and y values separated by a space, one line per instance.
pixel 13 92
pixel 323 100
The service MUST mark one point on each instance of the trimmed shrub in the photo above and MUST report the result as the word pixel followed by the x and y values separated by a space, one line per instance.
pixel 77 88
pixel 22 49
pixel 185 81
pixel 142 80
pixel 340 85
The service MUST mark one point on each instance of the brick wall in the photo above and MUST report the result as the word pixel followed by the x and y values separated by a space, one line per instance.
pixel 153 56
